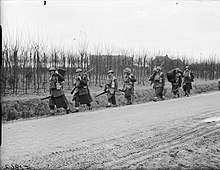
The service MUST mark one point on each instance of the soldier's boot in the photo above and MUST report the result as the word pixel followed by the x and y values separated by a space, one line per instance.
pixel 155 99
pixel 178 94
pixel 109 104
pixel 128 102
pixel 89 106
pixel 188 92
pixel 162 98
pixel 67 110
pixel 76 110
pixel 52 112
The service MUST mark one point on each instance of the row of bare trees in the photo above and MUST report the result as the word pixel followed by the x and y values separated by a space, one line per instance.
pixel 25 69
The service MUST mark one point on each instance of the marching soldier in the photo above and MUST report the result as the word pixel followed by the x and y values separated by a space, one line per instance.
pixel 82 93
pixel 187 80
pixel 57 98
pixel 157 78
pixel 111 88
pixel 175 77
pixel 128 87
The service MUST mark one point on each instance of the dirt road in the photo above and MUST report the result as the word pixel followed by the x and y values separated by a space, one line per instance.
pixel 169 134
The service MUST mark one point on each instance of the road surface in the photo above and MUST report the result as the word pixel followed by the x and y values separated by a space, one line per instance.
pixel 166 134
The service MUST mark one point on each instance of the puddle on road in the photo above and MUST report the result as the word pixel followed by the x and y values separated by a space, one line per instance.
pixel 212 119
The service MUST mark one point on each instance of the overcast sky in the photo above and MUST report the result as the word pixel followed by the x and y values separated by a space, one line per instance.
pixel 186 27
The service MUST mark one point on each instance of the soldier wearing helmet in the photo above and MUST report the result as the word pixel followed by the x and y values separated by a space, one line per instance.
pixel 158 81
pixel 175 78
pixel 128 86
pixel 57 99
pixel 82 93
pixel 188 78
pixel 111 87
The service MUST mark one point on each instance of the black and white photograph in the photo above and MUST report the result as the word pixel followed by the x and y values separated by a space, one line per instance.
pixel 110 84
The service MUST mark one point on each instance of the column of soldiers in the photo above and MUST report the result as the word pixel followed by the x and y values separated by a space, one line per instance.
pixel 82 93
pixel 111 87
pixel 158 81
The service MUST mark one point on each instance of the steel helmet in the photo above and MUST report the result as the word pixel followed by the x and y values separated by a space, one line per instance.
pixel 158 68
pixel 52 69
pixel 127 70
pixel 110 71
pixel 177 69
pixel 78 70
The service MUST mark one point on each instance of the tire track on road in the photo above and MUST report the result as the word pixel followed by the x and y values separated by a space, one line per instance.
pixel 122 151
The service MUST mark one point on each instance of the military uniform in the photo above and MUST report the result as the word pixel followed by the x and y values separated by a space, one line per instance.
pixel 82 93
pixel 57 98
pixel 187 80
pixel 158 83
pixel 128 86
pixel 111 88
pixel 176 81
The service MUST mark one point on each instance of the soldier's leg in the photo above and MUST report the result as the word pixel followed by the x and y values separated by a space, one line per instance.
pixel 161 93
pixel 109 96
pixel 188 91
pixel 178 93
pixel 128 96
pixel 52 110
pixel 113 100
pixel 77 104
pixel 184 89
pixel 89 105
pixel 129 100
pixel 52 106
pixel 66 107
pixel 156 94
